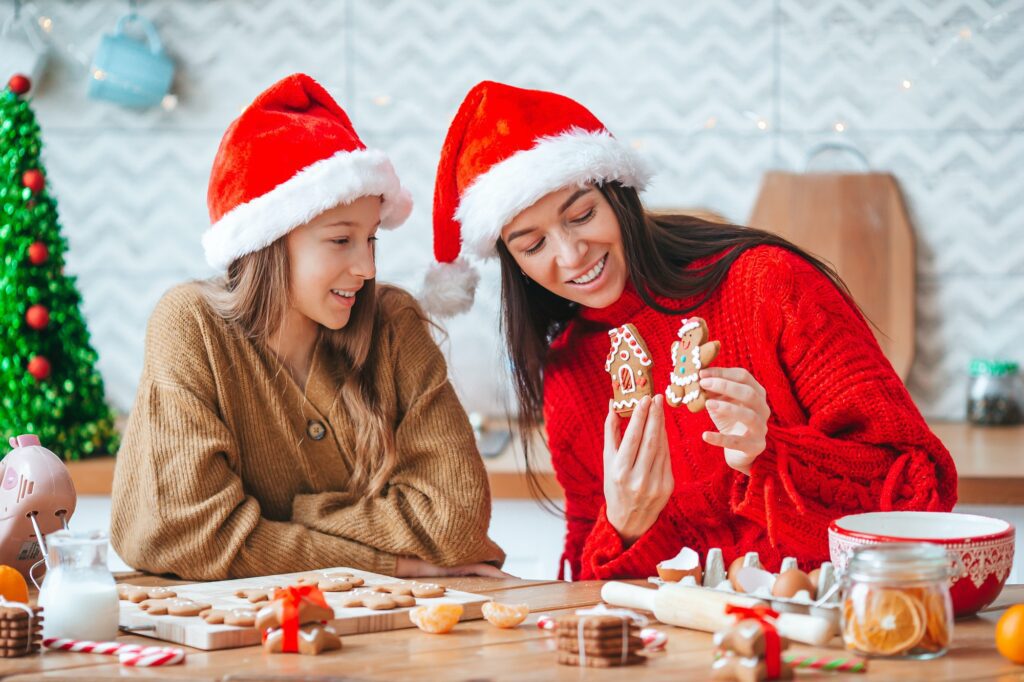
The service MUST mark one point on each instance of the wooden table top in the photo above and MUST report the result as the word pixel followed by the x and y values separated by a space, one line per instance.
pixel 476 650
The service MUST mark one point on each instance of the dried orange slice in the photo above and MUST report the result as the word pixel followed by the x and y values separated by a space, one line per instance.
pixel 890 622
pixel 436 619
pixel 505 615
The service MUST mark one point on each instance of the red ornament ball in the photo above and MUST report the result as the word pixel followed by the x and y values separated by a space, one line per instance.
pixel 19 84
pixel 33 179
pixel 37 317
pixel 38 253
pixel 39 367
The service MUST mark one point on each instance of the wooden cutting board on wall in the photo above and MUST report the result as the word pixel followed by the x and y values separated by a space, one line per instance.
pixel 857 222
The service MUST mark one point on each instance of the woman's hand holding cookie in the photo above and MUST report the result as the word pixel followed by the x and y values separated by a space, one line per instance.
pixel 738 405
pixel 638 478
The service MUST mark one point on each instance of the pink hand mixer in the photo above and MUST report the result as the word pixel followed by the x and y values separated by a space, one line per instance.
pixel 37 497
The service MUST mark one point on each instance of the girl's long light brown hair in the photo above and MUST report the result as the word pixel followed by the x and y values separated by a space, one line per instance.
pixel 657 250
pixel 254 297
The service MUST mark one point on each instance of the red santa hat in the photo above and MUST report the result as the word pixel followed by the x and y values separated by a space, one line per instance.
pixel 290 156
pixel 506 148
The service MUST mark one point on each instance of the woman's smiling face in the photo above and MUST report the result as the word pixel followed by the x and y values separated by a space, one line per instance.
pixel 570 243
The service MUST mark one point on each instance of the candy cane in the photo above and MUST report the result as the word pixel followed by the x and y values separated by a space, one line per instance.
pixel 152 657
pixel 653 640
pixel 844 664
pixel 546 623
pixel 129 654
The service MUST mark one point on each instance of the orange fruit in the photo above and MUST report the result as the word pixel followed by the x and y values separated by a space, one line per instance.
pixel 890 622
pixel 1010 634
pixel 12 585
pixel 436 619
pixel 505 615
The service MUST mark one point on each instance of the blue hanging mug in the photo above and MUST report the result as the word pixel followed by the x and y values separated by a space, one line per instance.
pixel 130 71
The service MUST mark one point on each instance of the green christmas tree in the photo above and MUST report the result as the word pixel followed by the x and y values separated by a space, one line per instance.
pixel 49 385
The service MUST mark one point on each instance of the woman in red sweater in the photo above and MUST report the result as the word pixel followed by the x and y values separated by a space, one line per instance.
pixel 805 419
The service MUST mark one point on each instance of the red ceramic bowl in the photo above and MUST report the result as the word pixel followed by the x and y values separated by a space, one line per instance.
pixel 984 545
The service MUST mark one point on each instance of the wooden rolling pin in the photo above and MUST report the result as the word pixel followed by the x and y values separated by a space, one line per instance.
pixel 700 608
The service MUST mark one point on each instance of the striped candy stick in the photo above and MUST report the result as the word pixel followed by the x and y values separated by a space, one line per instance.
pixel 150 657
pixel 134 655
pixel 837 664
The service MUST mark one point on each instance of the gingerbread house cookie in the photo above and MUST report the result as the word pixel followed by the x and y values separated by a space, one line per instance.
pixel 689 354
pixel 629 364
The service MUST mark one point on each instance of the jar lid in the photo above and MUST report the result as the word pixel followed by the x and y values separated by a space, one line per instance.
pixel 900 561
pixel 995 368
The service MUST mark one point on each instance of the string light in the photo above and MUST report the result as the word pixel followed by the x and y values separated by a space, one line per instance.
pixel 762 124
pixel 906 84
pixel 46 23
pixel 711 122
pixel 382 100
pixel 839 126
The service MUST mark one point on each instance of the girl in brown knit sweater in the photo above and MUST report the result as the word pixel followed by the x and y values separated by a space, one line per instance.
pixel 292 415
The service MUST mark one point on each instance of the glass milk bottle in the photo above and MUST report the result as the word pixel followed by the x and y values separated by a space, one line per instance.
pixel 78 596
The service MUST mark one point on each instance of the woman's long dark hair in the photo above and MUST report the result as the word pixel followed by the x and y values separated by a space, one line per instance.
pixel 657 250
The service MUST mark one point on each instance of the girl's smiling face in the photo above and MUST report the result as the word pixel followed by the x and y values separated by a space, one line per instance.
pixel 329 259
pixel 570 243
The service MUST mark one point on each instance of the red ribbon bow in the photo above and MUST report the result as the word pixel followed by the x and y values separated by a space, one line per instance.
pixel 291 598
pixel 765 615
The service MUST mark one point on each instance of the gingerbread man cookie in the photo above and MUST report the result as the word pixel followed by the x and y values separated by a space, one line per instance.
pixel 173 607
pixel 331 582
pixel 629 364
pixel 376 601
pixel 256 596
pixel 690 353
pixel 137 594
pixel 241 617
pixel 420 590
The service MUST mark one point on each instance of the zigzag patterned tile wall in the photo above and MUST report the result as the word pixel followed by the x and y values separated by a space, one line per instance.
pixel 688 84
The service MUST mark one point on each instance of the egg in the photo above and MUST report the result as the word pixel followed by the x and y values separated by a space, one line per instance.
pixel 790 582
pixel 815 577
pixel 734 567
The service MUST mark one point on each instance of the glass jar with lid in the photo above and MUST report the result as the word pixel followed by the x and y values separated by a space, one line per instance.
pixel 896 601
pixel 995 394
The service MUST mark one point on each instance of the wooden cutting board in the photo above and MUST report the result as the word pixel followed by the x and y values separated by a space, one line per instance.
pixel 197 633
pixel 857 222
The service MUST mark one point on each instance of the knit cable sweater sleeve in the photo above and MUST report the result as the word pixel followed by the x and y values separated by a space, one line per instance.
pixel 593 547
pixel 849 438
pixel 437 503
pixel 178 503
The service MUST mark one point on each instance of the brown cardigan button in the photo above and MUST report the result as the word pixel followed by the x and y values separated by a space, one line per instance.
pixel 316 429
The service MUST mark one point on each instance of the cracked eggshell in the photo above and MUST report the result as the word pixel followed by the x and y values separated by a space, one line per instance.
pixel 683 565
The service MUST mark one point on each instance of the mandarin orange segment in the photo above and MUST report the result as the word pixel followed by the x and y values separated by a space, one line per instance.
pixel 436 619
pixel 505 615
